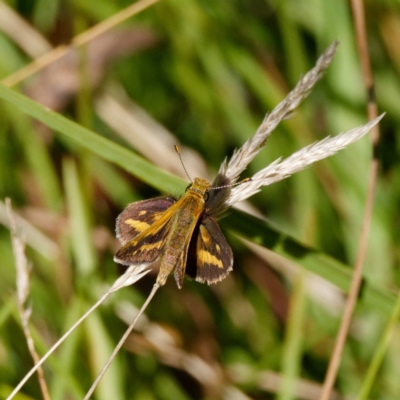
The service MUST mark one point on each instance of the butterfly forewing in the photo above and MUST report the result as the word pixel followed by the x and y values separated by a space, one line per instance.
pixel 139 216
pixel 143 229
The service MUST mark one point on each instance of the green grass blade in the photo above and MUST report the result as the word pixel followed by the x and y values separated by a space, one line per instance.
pixel 106 149
pixel 259 231
pixel 292 348
pixel 380 352
pixel 80 230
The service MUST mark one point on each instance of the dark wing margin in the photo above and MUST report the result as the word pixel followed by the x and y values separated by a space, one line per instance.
pixel 214 258
pixel 139 216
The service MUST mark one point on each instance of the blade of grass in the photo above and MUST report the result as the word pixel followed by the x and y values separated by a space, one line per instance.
pixel 104 148
pixel 260 232
pixel 62 387
pixel 293 341
pixel 80 232
pixel 380 352
pixel 39 160
pixel 99 346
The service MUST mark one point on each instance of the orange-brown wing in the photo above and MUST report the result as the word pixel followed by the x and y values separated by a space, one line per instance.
pixel 213 255
pixel 181 259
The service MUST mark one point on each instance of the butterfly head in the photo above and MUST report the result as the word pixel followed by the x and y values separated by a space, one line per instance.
pixel 199 185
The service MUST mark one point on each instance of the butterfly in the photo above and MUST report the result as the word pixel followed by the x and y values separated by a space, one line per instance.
pixel 182 233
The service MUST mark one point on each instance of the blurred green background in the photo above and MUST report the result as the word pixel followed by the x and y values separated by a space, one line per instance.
pixel 202 74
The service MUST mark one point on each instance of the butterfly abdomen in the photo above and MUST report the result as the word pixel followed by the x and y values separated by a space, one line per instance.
pixel 189 211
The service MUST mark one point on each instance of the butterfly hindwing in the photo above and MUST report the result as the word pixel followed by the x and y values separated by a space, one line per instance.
pixel 214 258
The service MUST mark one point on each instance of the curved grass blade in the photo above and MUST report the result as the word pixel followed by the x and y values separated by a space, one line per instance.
pixel 97 144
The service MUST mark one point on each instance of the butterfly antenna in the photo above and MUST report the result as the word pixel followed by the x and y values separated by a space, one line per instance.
pixel 232 184
pixel 183 165
pixel 54 347
pixel 122 341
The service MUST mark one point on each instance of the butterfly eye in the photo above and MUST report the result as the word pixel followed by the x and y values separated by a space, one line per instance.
pixel 188 187
pixel 206 196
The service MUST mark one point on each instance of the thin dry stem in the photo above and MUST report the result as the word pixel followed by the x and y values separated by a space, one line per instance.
pixel 79 40
pixel 362 43
pixel 23 34
pixel 122 341
pixel 33 236
pixel 133 274
pixel 23 289
pixel 56 345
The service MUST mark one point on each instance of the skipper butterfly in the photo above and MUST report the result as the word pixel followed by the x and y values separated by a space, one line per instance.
pixel 181 232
